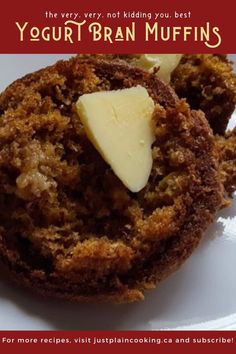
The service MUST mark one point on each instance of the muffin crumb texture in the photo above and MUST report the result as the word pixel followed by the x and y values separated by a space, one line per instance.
pixel 68 227
pixel 208 83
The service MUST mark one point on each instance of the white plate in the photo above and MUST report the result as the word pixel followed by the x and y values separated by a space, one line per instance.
pixel 201 295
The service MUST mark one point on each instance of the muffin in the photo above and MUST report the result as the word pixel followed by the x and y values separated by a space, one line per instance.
pixel 208 83
pixel 226 146
pixel 69 227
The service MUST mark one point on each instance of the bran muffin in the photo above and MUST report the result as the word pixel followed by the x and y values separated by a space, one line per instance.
pixel 226 146
pixel 208 83
pixel 68 227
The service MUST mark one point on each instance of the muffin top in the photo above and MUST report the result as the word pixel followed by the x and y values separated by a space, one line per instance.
pixel 68 226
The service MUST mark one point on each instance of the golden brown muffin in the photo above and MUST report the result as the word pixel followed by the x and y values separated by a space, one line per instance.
pixel 208 83
pixel 227 153
pixel 68 227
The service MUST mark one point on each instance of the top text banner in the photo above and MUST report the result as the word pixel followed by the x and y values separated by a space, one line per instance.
pixel 131 26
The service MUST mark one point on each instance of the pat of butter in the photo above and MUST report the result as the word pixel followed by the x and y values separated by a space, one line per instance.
pixel 166 62
pixel 118 123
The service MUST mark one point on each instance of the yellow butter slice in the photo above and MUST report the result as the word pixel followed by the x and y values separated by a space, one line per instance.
pixel 118 123
pixel 166 62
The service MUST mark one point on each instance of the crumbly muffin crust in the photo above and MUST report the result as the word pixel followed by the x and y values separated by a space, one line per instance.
pixel 68 226
pixel 226 146
pixel 208 83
